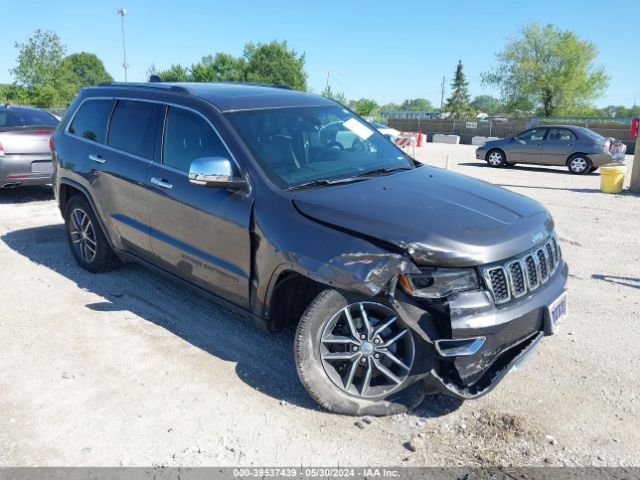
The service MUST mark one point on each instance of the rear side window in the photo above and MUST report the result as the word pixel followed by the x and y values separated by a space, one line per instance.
pixel 25 117
pixel 133 127
pixel 91 120
pixel 561 134
pixel 189 136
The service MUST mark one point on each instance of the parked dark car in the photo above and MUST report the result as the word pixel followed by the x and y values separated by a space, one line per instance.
pixel 400 279
pixel 579 149
pixel 25 156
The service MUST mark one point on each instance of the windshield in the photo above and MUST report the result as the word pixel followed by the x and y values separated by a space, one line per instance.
pixel 296 146
pixel 24 117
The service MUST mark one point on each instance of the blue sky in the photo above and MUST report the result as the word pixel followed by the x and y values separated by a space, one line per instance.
pixel 382 50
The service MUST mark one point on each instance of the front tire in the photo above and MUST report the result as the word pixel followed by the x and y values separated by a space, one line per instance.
pixel 496 158
pixel 579 164
pixel 355 356
pixel 88 243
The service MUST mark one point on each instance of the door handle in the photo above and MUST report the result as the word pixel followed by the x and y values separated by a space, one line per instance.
pixel 161 183
pixel 96 158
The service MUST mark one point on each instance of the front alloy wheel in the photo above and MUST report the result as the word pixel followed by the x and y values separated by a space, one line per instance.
pixel 496 159
pixel 356 356
pixel 365 350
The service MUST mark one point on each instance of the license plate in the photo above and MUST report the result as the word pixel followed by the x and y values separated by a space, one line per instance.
pixel 557 311
pixel 42 167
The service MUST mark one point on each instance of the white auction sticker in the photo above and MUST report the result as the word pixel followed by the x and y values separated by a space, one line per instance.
pixel 358 128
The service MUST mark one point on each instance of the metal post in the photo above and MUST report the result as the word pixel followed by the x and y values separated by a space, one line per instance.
pixel 634 183
pixel 122 12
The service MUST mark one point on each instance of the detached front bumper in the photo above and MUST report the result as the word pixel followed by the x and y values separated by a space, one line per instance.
pixel 510 334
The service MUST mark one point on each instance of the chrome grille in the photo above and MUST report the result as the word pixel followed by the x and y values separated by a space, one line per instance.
pixel 518 285
pixel 542 264
pixel 532 272
pixel 498 278
pixel 524 274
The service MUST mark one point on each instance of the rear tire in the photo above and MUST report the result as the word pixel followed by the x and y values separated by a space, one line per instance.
pixel 345 373
pixel 496 158
pixel 579 164
pixel 86 239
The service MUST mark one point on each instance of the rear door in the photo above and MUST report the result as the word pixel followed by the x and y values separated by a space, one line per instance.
pixel 119 172
pixel 558 145
pixel 527 146
pixel 198 233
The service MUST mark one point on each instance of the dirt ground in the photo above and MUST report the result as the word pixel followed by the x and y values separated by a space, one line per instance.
pixel 128 368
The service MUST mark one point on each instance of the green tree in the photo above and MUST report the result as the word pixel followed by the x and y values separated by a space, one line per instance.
pixel 364 106
pixel 487 104
pixel 416 105
pixel 225 67
pixel 79 70
pixel 176 73
pixel 551 69
pixel 38 59
pixel 339 97
pixel 458 102
pixel 275 63
pixel 390 107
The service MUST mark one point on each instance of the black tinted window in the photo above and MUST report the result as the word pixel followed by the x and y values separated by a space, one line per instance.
pixel 561 134
pixel 189 136
pixel 133 127
pixel 91 120
pixel 24 117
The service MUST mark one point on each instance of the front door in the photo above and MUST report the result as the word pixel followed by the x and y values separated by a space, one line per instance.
pixel 199 233
pixel 526 147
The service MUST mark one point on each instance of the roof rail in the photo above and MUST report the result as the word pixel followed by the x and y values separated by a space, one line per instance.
pixel 263 84
pixel 151 85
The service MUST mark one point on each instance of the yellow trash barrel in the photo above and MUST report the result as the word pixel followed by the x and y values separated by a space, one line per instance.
pixel 612 178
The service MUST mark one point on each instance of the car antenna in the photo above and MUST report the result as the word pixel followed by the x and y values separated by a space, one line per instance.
pixel 155 78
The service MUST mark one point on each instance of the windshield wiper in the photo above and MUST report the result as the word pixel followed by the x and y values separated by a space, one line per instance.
pixel 377 171
pixel 325 181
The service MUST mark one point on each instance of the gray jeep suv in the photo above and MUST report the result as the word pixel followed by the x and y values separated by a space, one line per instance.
pixel 400 279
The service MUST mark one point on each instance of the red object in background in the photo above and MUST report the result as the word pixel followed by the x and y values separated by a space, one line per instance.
pixel 635 122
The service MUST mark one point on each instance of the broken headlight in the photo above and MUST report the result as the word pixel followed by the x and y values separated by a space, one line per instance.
pixel 439 282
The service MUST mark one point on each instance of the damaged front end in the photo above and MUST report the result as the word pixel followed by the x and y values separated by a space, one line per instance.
pixel 480 334
pixel 475 336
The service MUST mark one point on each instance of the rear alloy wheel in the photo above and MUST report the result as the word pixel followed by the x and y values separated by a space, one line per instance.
pixel 496 159
pixel 579 165
pixel 355 356
pixel 86 240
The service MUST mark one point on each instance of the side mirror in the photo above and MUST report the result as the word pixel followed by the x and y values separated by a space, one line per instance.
pixel 215 172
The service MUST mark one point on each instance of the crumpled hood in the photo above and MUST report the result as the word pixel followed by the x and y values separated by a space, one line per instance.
pixel 436 216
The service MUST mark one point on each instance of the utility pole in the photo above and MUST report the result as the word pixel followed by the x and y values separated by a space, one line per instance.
pixel 122 12
pixel 634 183
pixel 442 97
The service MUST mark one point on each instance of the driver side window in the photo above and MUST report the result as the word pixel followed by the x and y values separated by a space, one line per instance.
pixel 533 135
pixel 187 137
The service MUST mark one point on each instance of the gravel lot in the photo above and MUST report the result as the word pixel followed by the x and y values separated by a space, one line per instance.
pixel 128 368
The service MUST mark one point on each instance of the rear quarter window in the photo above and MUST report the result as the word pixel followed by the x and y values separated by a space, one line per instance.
pixel 133 127
pixel 91 120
